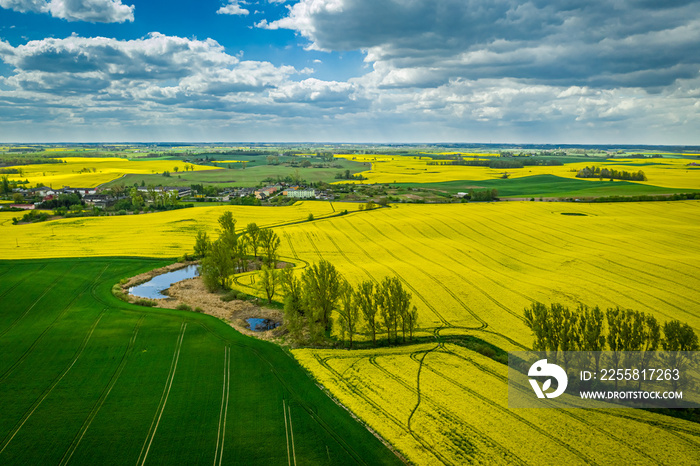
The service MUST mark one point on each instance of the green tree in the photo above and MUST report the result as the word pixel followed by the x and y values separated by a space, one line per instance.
pixel 136 199
pixel 349 315
pixel 5 185
pixel 412 317
pixel 555 323
pixel 293 302
pixel 268 281
pixel 202 244
pixel 252 231
pixel 681 340
pixel 386 310
pixel 217 267
pixel 590 325
pixel 227 233
pixel 240 253
pixel 537 320
pixel 651 341
pixel 270 242
pixel 322 285
pixel 569 338
pixel 614 338
pixel 364 300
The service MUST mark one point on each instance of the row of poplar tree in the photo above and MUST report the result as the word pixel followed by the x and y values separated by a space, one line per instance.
pixel 323 300
pixel 231 252
pixel 557 328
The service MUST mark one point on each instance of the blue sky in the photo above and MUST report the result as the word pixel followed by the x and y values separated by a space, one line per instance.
pixel 533 71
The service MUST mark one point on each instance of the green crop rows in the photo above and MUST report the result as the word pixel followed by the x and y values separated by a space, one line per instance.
pixel 88 379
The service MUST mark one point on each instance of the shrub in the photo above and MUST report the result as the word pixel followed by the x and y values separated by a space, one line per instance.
pixel 183 307
pixel 145 302
pixel 199 310
pixel 241 296
pixel 230 296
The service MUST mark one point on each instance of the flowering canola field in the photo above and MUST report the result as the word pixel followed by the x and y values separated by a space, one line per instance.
pixel 89 172
pixel 161 234
pixel 471 269
pixel 662 172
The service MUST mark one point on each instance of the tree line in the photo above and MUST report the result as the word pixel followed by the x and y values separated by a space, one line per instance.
pixel 379 308
pixel 646 198
pixel 556 328
pixel 612 174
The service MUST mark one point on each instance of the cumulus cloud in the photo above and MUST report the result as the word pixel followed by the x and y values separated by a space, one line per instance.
pixel 95 11
pixel 233 7
pixel 598 42
pixel 159 78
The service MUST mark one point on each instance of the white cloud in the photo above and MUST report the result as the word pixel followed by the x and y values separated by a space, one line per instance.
pixel 232 8
pixel 95 11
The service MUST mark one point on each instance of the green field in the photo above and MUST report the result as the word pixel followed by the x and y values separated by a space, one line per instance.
pixel 93 380
pixel 255 172
pixel 548 186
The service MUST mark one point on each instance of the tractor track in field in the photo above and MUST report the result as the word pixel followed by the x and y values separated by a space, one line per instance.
pixel 511 414
pixel 223 412
pixel 444 321
pixel 388 416
pixel 10 436
pixel 26 354
pixel 646 271
pixel 283 382
pixel 476 317
pixel 143 455
pixel 604 270
pixel 294 252
pixel 24 314
pixel 568 414
pixel 458 276
pixel 22 281
pixel 670 429
pixel 103 397
pixel 534 256
pixel 350 261
pixel 487 295
pixel 440 409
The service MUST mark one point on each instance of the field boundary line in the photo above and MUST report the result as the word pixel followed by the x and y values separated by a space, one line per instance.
pixel 221 434
pixel 163 399
pixel 48 391
pixel 286 432
pixel 291 432
pixel 100 402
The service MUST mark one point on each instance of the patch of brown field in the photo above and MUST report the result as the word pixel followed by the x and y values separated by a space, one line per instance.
pixel 193 293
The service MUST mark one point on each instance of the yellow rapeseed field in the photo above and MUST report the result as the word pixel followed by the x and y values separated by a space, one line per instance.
pixel 471 269
pixel 161 234
pixel 89 172
pixel 663 172
pixel 463 417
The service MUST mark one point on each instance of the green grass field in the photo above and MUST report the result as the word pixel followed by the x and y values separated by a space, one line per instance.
pixel 93 380
pixel 255 172
pixel 548 186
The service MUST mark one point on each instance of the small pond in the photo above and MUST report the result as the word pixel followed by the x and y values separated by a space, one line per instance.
pixel 260 325
pixel 152 288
